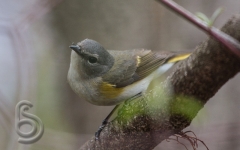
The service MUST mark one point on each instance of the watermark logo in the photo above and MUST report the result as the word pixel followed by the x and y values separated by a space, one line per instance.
pixel 35 122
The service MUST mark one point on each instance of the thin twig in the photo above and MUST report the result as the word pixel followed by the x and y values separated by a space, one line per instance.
pixel 232 44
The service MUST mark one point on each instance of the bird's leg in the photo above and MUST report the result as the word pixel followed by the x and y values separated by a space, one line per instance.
pixel 104 123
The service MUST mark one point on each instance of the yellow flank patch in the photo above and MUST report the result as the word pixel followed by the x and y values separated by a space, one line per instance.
pixel 179 57
pixel 110 91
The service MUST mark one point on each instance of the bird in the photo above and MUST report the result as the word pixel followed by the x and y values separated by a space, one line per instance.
pixel 110 77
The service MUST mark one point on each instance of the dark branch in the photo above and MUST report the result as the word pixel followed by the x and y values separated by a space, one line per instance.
pixel 231 43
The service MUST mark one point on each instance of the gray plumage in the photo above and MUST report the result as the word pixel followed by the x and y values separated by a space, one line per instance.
pixel 92 65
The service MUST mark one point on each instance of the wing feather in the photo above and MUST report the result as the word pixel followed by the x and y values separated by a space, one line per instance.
pixel 134 66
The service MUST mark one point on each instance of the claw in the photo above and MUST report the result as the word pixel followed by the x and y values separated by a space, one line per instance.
pixel 97 134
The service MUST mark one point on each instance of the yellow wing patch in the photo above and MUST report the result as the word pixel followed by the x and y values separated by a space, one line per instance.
pixel 138 60
pixel 110 91
pixel 179 57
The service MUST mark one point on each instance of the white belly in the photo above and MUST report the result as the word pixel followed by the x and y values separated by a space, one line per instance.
pixel 142 85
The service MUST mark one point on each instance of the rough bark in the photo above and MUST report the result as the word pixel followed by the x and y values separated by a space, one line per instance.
pixel 144 122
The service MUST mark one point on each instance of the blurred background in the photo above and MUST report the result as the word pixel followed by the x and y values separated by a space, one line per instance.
pixel 34 61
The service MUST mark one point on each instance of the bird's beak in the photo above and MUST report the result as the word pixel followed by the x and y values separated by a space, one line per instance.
pixel 76 48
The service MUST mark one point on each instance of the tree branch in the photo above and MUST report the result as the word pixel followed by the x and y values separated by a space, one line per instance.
pixel 166 110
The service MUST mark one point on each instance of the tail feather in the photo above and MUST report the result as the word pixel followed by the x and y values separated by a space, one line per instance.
pixel 179 57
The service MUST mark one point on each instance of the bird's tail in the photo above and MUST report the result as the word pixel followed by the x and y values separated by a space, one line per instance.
pixel 179 57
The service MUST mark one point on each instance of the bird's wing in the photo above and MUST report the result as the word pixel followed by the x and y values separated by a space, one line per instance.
pixel 132 66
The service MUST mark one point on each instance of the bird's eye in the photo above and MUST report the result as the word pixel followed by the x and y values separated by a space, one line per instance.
pixel 92 60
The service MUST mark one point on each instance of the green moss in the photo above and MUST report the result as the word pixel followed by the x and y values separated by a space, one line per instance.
pixel 186 106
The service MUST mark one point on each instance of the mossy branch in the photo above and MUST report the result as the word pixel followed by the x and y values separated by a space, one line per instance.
pixel 145 122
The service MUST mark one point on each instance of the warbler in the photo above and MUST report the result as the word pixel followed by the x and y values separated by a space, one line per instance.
pixel 109 77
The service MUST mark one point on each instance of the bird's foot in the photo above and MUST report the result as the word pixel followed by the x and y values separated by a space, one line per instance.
pixel 97 134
